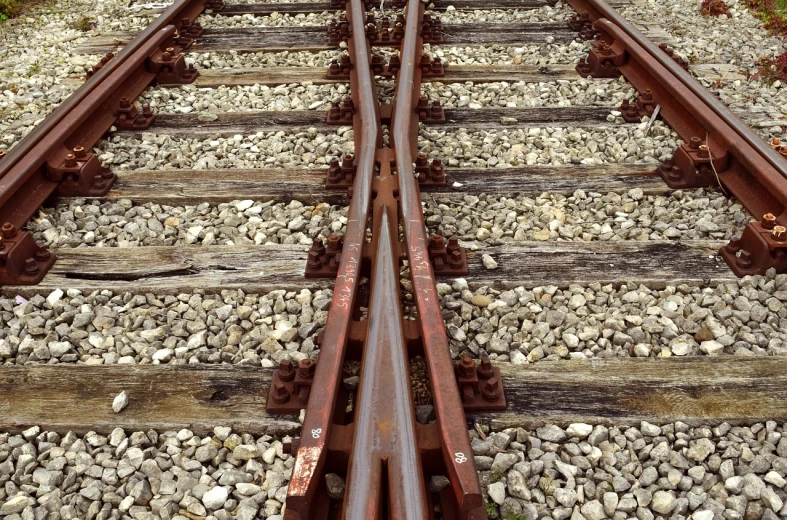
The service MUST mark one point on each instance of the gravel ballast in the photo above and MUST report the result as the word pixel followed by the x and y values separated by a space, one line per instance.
pixel 242 222
pixel 739 40
pixel 145 475
pixel 622 143
pixel 32 76
pixel 745 318
pixel 491 220
pixel 668 471
pixel 261 150
pixel 103 328
pixel 551 472
pixel 295 96
pixel 520 325
pixel 477 220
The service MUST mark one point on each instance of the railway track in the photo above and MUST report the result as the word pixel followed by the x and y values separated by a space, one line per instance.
pixel 389 307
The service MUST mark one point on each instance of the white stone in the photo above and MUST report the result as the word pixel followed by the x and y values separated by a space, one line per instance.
pixel 215 498
pixel 580 430
pixel 120 402
pixel 497 492
pixel 488 262
pixel 54 297
pixel 774 478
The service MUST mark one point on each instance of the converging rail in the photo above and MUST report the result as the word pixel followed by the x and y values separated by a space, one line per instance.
pixel 385 453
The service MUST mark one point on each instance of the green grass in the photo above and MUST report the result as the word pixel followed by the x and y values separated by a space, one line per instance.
pixel 773 14
pixel 9 9
pixel 84 24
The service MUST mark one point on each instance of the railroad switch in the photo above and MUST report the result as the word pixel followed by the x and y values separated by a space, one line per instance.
pixel 448 259
pixel 603 60
pixel 130 118
pixel 481 387
pixel 693 165
pixel 323 261
pixel 170 67
pixel 290 387
pixel 22 260
pixel 79 174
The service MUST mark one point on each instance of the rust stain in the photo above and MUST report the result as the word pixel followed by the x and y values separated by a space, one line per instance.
pixel 302 472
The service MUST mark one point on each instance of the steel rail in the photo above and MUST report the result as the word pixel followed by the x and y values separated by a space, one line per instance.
pixel 312 451
pixel 177 11
pixel 457 453
pixel 96 108
pixel 601 9
pixel 385 447
pixel 757 183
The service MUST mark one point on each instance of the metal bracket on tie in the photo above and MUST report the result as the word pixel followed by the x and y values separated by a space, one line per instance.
pixel 481 387
pixel 692 167
pixel 290 387
pixel 79 174
pixel 761 246
pixel 170 67
pixel 603 60
pixel 22 260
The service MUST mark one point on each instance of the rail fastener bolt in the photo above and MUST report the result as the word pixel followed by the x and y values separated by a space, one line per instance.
pixel 280 393
pixel 43 254
pixel 744 259
pixel 286 370
pixel 768 221
pixel 466 367
pixel 436 171
pixel 779 233
pixel 31 266
pixel 455 260
pixel 8 230
pixel 306 368
pixel 79 152
pixel 491 392
pixel 485 370
pixel 334 244
pixel 435 242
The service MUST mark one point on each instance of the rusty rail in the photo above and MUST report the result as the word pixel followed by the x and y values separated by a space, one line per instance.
pixel 386 456
pixel 719 148
pixel 55 158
